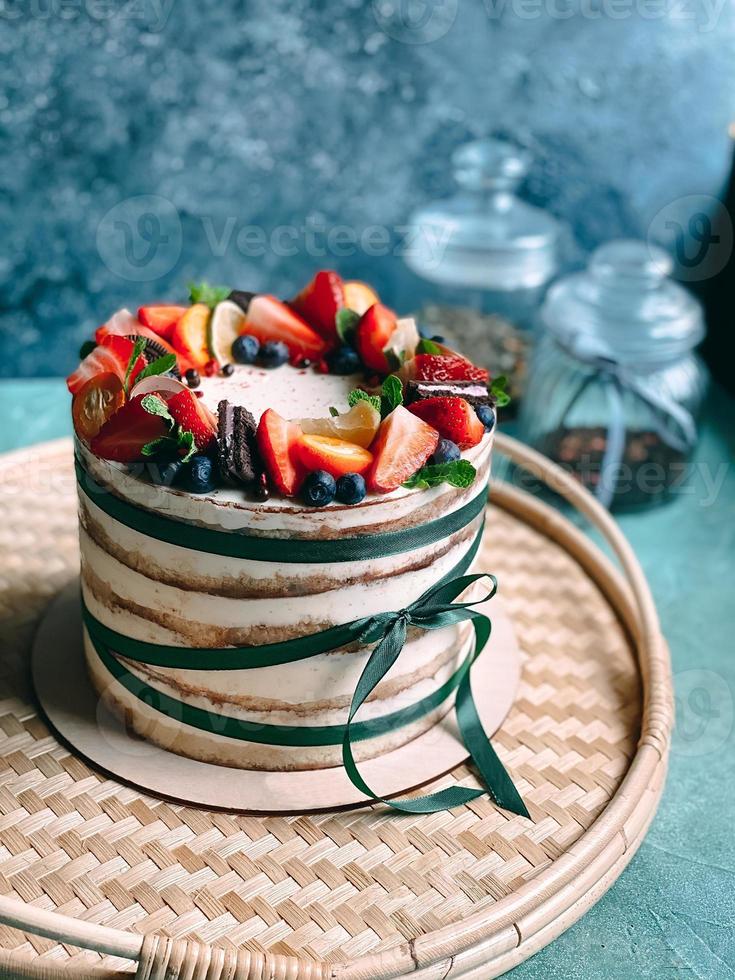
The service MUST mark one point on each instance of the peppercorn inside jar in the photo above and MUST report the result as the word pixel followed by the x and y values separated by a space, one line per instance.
pixel 615 386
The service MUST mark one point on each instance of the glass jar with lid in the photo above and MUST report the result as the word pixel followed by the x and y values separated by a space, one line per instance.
pixel 615 385
pixel 490 250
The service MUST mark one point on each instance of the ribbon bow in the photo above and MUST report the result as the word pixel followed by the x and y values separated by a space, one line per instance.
pixel 434 610
pixel 616 379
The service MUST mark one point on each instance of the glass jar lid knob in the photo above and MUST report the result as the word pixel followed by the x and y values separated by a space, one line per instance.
pixel 490 164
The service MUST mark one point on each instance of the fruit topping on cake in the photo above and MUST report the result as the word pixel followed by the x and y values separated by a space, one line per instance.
pixel 336 456
pixel 239 461
pixel 277 438
pixel 111 356
pixel 359 297
pixel 443 367
pixel 374 332
pixel 226 324
pixel 192 415
pixel 319 302
pixel 319 489
pixel 161 318
pixel 130 405
pixel 190 335
pixel 404 443
pixel 268 319
pixel 95 402
pixel 125 434
pixel 359 425
pixel 453 418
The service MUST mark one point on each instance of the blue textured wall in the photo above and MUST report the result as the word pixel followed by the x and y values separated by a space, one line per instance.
pixel 339 112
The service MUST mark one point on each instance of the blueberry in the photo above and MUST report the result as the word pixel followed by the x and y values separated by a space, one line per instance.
pixel 344 360
pixel 245 349
pixel 486 415
pixel 273 354
pixel 165 474
pixel 351 488
pixel 446 452
pixel 200 477
pixel 319 489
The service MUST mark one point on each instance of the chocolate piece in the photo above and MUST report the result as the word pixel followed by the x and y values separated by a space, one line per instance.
pixel 239 461
pixel 473 392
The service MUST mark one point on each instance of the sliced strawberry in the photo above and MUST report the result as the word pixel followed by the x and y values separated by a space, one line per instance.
pixel 161 319
pixel 374 332
pixel 110 356
pixel 402 446
pixel 442 367
pixel 336 456
pixel 120 324
pixel 270 319
pixel 193 416
pixel 453 418
pixel 123 436
pixel 277 438
pixel 189 335
pixel 124 324
pixel 320 302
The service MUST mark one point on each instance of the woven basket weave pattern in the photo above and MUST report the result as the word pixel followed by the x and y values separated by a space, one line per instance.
pixel 327 887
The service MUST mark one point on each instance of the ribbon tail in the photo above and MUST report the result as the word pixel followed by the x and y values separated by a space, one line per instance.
pixel 497 781
pixel 493 772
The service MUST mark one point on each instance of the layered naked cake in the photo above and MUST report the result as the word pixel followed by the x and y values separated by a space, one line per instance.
pixel 266 491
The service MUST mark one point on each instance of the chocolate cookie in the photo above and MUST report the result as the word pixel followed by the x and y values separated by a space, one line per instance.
pixel 473 392
pixel 239 461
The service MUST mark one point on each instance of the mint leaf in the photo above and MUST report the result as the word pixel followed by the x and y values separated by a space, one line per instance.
pixel 155 405
pixel 161 365
pixel 138 348
pixel 459 473
pixel 178 445
pixel 391 396
pixel 498 391
pixel 346 323
pixel 159 446
pixel 428 347
pixel 187 444
pixel 333 411
pixel 358 395
pixel 202 292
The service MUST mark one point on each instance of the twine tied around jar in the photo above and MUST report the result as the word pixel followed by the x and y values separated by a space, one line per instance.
pixel 616 378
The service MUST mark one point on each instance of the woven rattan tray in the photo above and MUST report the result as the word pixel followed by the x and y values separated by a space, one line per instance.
pixel 98 879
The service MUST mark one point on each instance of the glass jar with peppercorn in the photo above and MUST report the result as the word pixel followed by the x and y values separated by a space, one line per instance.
pixel 615 385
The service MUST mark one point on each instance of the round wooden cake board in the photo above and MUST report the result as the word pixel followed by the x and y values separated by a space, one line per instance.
pixel 85 722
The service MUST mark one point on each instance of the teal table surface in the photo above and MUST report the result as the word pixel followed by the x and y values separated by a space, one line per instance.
pixel 672 912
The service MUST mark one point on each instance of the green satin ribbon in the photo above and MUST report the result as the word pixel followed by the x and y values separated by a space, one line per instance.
pixel 238 544
pixel 435 609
